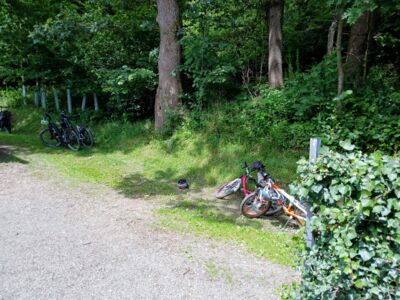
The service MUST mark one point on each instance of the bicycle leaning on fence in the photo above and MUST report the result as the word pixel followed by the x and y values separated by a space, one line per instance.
pixel 55 136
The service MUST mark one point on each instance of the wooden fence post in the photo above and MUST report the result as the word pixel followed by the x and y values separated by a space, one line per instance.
pixel 24 93
pixel 36 98
pixel 96 102
pixel 56 99
pixel 43 98
pixel 315 145
pixel 69 101
pixel 83 103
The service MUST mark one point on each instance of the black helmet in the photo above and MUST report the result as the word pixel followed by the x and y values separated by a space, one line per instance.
pixel 182 184
pixel 258 166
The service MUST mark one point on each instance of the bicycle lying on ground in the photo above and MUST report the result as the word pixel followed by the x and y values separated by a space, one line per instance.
pixel 233 186
pixel 253 205
pixel 54 136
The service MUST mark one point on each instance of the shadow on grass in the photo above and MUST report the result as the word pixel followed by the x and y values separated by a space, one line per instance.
pixel 137 186
pixel 6 156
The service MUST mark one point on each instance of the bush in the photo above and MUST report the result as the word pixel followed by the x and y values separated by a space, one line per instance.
pixel 357 222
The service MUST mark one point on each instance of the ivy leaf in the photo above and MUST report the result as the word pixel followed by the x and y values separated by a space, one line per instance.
pixel 347 145
pixel 365 255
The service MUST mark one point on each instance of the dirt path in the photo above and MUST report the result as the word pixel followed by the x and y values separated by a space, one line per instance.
pixel 79 242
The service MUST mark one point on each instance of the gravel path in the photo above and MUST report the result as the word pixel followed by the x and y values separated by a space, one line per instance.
pixel 59 241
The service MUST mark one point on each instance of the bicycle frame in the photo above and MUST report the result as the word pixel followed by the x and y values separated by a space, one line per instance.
pixel 293 202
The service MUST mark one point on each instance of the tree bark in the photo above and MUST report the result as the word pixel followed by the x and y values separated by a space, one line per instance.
pixel 357 45
pixel 169 84
pixel 339 53
pixel 331 35
pixel 275 73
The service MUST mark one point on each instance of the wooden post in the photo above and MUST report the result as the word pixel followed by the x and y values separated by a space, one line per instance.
pixel 83 103
pixel 315 145
pixel 69 101
pixel 24 93
pixel 36 98
pixel 43 98
pixel 96 102
pixel 56 99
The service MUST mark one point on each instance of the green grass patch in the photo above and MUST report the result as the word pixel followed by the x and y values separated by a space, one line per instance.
pixel 201 218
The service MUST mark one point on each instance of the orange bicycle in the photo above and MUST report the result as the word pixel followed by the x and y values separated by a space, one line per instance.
pixel 278 200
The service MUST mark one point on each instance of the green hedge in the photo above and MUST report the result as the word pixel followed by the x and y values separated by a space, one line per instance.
pixel 355 198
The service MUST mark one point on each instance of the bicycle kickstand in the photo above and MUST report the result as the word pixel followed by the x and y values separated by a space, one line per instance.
pixel 287 222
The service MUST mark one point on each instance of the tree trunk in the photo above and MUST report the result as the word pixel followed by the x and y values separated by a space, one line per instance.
pixel 357 45
pixel 169 85
pixel 331 35
pixel 339 53
pixel 275 73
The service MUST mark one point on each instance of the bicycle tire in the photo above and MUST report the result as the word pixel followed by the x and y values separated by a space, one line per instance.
pixel 227 188
pixel 86 137
pixel 46 135
pixel 73 142
pixel 257 211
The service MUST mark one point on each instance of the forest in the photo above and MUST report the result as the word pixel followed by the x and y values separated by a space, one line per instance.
pixel 289 68
pixel 196 86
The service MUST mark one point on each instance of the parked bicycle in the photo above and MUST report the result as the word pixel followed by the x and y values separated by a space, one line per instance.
pixel 55 136
pixel 5 119
pixel 84 133
pixel 252 205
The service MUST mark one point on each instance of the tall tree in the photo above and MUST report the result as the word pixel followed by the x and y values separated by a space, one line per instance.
pixel 169 84
pixel 275 73
pixel 358 41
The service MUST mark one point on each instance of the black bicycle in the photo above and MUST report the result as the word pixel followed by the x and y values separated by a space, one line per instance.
pixel 54 136
pixel 85 135
pixel 5 119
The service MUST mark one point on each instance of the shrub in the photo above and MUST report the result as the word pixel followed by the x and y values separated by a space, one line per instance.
pixel 355 198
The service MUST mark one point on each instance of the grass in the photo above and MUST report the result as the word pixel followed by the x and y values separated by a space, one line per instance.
pixel 203 219
pixel 133 160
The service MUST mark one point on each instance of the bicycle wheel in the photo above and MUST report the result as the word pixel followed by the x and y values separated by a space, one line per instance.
pixel 276 207
pixel 298 217
pixel 227 188
pixel 49 138
pixel 252 207
pixel 86 137
pixel 72 140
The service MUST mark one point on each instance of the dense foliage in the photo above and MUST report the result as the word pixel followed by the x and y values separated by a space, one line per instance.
pixel 357 245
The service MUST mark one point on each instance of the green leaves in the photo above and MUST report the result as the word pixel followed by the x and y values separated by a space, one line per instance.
pixel 356 223
pixel 346 145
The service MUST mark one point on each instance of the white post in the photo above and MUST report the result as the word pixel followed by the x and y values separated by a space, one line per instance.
pixel 315 145
pixel 24 93
pixel 83 103
pixel 69 100
pixel 36 98
pixel 56 99
pixel 43 98
pixel 96 102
